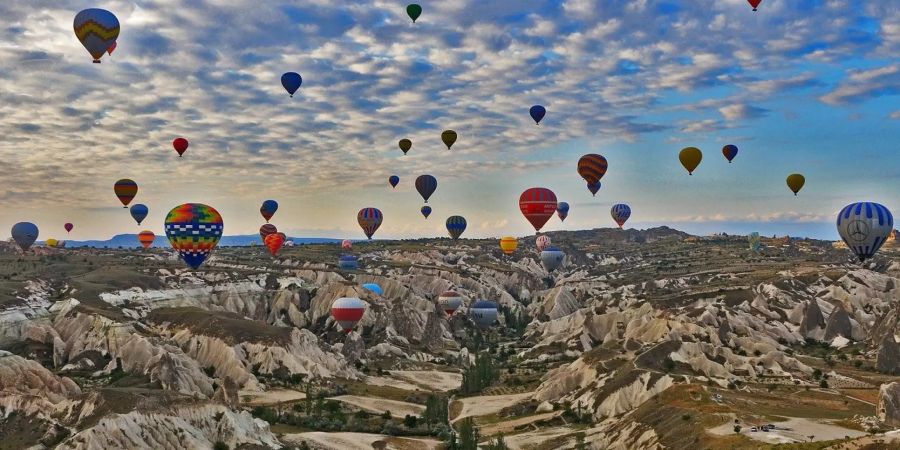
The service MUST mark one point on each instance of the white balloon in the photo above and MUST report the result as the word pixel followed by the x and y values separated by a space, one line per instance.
pixel 864 227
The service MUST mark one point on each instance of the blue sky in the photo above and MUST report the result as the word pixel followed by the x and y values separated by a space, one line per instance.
pixel 800 86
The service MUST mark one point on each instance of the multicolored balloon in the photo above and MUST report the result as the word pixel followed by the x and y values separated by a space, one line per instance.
pixel 455 226
pixel 755 242
pixel 562 210
pixel 754 3
pixel 426 185
pixel 795 182
pixel 405 145
pixel 592 167
pixel 194 230
pixel 620 213
pixel 268 209
pixel 537 205
pixel 594 187
pixel 68 227
pixel 347 312
pixel 369 220
pixel 730 151
pixel 449 138
pixel 864 227
pixel 139 212
pixel 291 82
pixel 24 234
pixel 413 10
pixel 551 258
pixel 180 145
pixel 537 113
pixel 509 245
pixel 125 189
pixel 348 262
pixel 450 301
pixel 375 288
pixel 274 242
pixel 97 29
pixel 542 242
pixel 347 244
pixel 266 230
pixel 690 158
pixel 393 180
pixel 426 211
pixel 483 313
pixel 146 238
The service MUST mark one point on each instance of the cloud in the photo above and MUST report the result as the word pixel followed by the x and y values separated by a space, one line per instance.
pixel 775 217
pixel 741 111
pixel 865 84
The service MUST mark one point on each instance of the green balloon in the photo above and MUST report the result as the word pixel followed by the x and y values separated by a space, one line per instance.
pixel 414 11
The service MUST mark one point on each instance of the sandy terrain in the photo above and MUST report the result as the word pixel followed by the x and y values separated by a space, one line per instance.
pixel 488 404
pixel 357 441
pixel 270 397
pixel 392 382
pixel 533 438
pixel 510 425
pixel 800 431
pixel 891 437
pixel 430 380
pixel 380 405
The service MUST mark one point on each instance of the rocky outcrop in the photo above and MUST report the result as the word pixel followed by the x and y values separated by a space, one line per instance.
pixel 354 347
pixel 813 324
pixel 889 404
pixel 227 393
pixel 838 324
pixel 24 376
pixel 888 359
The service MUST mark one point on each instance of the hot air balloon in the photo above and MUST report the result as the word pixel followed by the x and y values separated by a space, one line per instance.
pixel 562 210
pixel 426 211
pixel 97 29
pixel 52 243
pixel 754 3
pixel 347 244
pixel 194 230
pixel 268 209
pixel 542 242
pixel 730 151
pixel 393 180
pixel 347 312
pixel 266 230
pixel 594 187
pixel 509 245
pixel 455 226
pixel 864 227
pixel 348 262
pixel 180 145
pixel 592 167
pixel 449 138
pixel 537 113
pixel 413 10
pixel 24 234
pixel 139 212
pixel 405 145
pixel 537 205
pixel 146 238
pixel 274 242
pixel 795 182
pixel 68 227
pixel 450 301
pixel 551 258
pixel 426 185
pixel 483 313
pixel 620 213
pixel 690 158
pixel 755 242
pixel 291 82
pixel 125 189
pixel 374 287
pixel 369 220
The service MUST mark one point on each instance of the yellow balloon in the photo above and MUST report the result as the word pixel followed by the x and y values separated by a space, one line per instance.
pixel 509 245
pixel 795 181
pixel 690 158
pixel 52 242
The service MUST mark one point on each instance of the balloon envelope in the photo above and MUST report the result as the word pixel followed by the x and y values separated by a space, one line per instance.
pixel 347 312
pixel 795 182
pixel 730 151
pixel 426 185
pixel 180 145
pixel 266 230
pixel 450 301
pixel 509 244
pixel 139 212
pixel 97 29
pixel 68 227
pixel 592 167
pixel 125 189
pixel 754 3
pixel 483 313
pixel 405 145
pixel 268 209
pixel 413 10
pixel 864 227
pixel 449 138
pixel 347 244
pixel 291 82
pixel 274 242
pixel 537 113
pixel 593 187
pixel 620 213
pixel 690 158
pixel 393 180
pixel 755 242
pixel 537 205
pixel 542 242
pixel 52 243
pixel 551 258
pixel 146 238
pixel 348 262
pixel 426 211
pixel 562 210
pixel 374 287
pixel 369 220
pixel 455 226
pixel 194 230
pixel 24 234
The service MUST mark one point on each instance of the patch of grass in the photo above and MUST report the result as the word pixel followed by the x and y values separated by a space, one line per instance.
pixel 230 327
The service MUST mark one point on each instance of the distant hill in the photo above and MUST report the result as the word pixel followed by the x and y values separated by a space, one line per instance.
pixel 131 241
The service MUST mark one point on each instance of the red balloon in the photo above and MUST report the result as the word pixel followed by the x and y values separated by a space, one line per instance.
pixel 274 242
pixel 69 227
pixel 180 144
pixel 754 3
pixel 347 244
pixel 266 230
pixel 538 205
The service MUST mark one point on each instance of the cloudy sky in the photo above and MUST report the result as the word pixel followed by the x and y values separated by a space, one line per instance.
pixel 806 86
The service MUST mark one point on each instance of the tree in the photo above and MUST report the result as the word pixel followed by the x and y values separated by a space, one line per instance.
pixel 468 435
pixel 410 421
pixel 737 428
pixel 823 384
pixel 219 445
pixel 386 415
pixel 497 444
pixel 817 373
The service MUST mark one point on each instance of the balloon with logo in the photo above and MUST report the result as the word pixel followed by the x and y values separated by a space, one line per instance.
pixel 291 81
pixel 594 188
pixel 690 158
pixel 274 242
pixel 97 29
pixel 125 190
pixel 551 258
pixel 426 185
pixel 795 182
pixel 266 230
pixel 426 211
pixel 139 212
pixel 455 226
pixel 730 151
pixel 24 234
pixel 537 205
pixel 450 301
pixel 405 145
pixel 194 230
pixel 542 242
pixel 369 220
pixel 449 138
pixel 537 113
pixel 375 288
pixel 68 227
pixel 347 244
pixel 509 245
pixel 864 227
pixel 562 210
pixel 347 312
pixel 180 145
pixel 483 313
pixel 393 180
pixel 146 238
pixel 268 209
pixel 620 213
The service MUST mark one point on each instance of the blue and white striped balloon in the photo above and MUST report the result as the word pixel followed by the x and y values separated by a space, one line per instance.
pixel 864 227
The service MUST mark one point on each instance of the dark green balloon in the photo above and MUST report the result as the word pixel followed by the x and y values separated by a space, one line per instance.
pixel 414 11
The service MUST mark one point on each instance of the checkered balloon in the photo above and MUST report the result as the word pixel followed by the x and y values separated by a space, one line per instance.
pixel 194 231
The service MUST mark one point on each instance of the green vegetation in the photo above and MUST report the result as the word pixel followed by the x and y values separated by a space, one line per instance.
pixel 480 375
